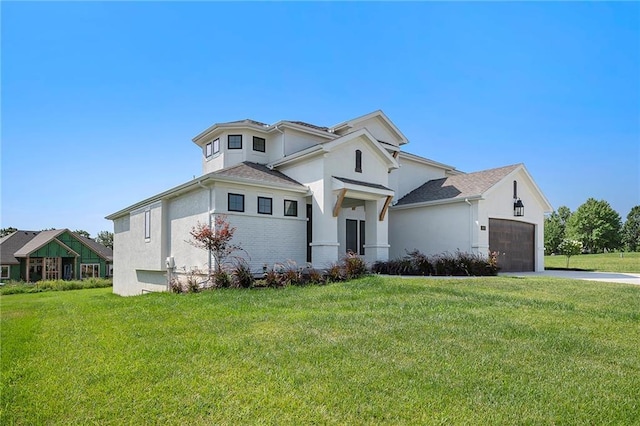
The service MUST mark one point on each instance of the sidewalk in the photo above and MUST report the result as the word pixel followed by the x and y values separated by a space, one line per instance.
pixel 610 277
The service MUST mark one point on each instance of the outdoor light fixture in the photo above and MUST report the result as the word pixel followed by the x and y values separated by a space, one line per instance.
pixel 518 208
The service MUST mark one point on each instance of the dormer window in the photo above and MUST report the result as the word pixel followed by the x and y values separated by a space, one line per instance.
pixel 358 161
pixel 234 142
pixel 259 144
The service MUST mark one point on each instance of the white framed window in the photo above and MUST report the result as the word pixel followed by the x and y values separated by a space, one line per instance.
pixel 216 146
pixel 4 272
pixel 265 205
pixel 147 224
pixel 234 142
pixel 259 144
pixel 290 208
pixel 89 270
pixel 235 202
pixel 208 150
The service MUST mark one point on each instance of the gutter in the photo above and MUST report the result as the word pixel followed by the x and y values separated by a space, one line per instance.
pixel 436 202
pixel 208 216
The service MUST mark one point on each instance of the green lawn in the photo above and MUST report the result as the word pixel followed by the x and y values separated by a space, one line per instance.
pixel 377 350
pixel 608 262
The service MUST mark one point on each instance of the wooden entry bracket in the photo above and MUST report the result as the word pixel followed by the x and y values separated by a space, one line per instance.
pixel 341 195
pixel 387 202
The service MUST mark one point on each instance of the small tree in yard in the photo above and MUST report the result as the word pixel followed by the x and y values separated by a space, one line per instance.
pixel 216 241
pixel 570 248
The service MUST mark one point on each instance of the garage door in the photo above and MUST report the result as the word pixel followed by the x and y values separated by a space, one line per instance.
pixel 515 241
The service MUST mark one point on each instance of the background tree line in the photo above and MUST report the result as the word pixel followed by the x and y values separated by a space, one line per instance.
pixel 596 225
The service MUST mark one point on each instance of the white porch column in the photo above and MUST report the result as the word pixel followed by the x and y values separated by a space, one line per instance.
pixel 377 232
pixel 324 244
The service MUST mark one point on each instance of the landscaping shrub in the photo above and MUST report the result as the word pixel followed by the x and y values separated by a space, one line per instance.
pixel 420 263
pixel 314 276
pixel 335 273
pixel 354 266
pixel 221 279
pixel 272 279
pixel 444 264
pixel 242 276
pixel 290 273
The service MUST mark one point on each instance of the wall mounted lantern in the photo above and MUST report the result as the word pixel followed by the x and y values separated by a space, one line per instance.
pixel 518 208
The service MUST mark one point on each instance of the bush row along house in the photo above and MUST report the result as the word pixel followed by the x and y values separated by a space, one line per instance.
pixel 307 193
pixel 52 255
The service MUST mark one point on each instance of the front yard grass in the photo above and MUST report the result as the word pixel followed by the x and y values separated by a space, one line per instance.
pixel 606 262
pixel 376 350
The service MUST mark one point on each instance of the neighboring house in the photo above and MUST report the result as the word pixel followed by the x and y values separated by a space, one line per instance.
pixel 306 193
pixel 52 255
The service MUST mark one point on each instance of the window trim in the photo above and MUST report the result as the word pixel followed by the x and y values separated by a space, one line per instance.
pixel 147 224
pixel 270 212
pixel 215 144
pixel 93 265
pixel 358 161
pixel 229 195
pixel 229 142
pixel 264 144
pixel 208 149
pixel 2 275
pixel 294 203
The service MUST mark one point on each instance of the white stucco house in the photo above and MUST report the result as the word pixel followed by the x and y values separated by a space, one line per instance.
pixel 306 193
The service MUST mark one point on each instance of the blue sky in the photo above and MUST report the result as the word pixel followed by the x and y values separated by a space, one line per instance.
pixel 100 100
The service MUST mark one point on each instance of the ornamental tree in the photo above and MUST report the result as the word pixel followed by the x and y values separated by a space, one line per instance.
pixel 216 241
pixel 570 248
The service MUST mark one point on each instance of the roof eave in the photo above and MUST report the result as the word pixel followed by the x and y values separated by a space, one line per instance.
pixel 252 182
pixel 437 202
pixel 161 196
pixel 229 126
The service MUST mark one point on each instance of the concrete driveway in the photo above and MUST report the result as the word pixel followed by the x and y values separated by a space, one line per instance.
pixel 610 277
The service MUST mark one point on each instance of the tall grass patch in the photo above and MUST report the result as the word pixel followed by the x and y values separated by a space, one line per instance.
pixel 16 287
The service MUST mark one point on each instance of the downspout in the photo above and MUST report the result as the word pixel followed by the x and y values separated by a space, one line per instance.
pixel 283 137
pixel 466 200
pixel 209 217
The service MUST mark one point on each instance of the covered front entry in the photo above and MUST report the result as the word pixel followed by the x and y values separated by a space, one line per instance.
pixel 361 213
pixel 515 243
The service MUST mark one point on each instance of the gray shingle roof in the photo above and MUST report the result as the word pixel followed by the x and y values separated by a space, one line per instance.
pixel 312 126
pixel 38 241
pixel 359 182
pixel 246 121
pixel 9 244
pixel 258 172
pixel 105 252
pixel 458 186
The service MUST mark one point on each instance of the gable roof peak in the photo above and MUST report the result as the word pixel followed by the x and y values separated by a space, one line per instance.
pixel 346 125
